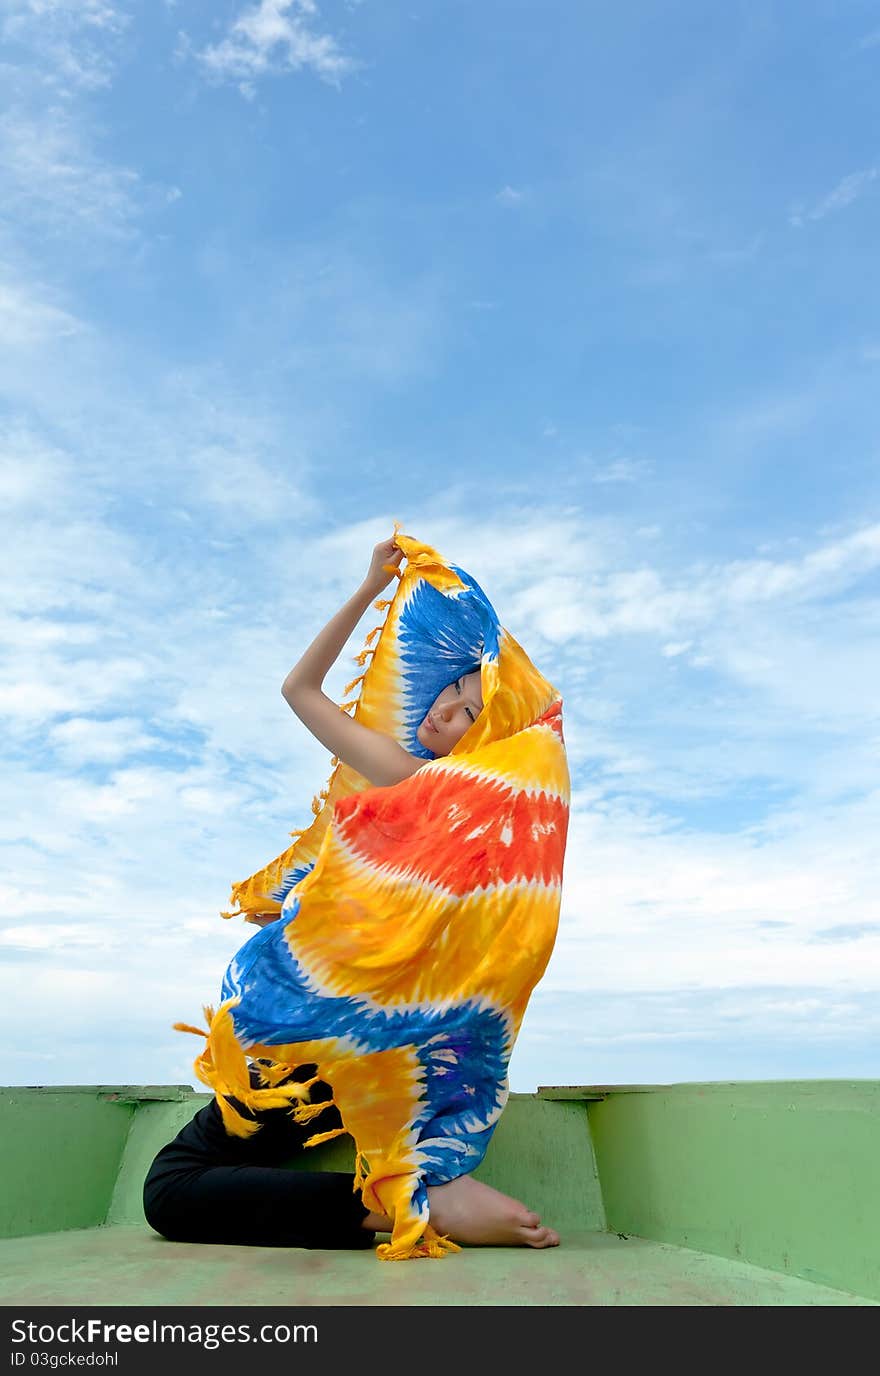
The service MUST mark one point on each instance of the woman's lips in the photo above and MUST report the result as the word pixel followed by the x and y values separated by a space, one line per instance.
pixel 430 720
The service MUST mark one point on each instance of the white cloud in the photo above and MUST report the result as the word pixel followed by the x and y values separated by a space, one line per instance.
pixel 56 187
pixel 621 470
pixel 54 183
pixel 26 322
pixel 662 909
pixel 79 741
pixel 271 37
pixel 847 190
pixel 74 41
pixel 58 937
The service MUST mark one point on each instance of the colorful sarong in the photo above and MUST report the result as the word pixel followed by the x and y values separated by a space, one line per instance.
pixel 414 920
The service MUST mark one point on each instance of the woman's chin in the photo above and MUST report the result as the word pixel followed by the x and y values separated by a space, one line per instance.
pixel 428 738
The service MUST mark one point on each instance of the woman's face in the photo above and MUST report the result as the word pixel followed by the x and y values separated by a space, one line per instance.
pixel 452 713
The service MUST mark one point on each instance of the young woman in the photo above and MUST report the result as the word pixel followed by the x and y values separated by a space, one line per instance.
pixel 207 1186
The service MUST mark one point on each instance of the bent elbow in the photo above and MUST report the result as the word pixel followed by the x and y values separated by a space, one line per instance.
pixel 290 693
pixel 298 696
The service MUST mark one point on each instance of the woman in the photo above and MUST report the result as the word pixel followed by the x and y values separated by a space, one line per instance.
pixel 208 1186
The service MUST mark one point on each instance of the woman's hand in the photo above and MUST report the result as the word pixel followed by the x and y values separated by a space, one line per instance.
pixel 386 552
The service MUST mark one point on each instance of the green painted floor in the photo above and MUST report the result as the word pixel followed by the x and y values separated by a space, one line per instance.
pixel 130 1265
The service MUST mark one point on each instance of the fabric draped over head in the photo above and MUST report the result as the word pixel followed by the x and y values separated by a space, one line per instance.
pixel 413 921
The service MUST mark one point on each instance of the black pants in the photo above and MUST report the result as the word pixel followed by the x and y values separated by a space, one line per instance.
pixel 207 1186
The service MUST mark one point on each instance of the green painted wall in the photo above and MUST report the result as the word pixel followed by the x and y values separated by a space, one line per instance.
pixel 784 1175
pixel 60 1150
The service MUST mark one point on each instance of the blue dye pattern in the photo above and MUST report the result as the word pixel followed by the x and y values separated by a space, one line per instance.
pixel 462 1049
pixel 441 636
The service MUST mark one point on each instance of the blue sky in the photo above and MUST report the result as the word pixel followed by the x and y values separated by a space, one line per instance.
pixel 586 297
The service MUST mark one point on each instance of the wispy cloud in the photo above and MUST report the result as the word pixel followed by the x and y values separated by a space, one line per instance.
pixel 55 184
pixel 848 190
pixel 270 38
pixel 621 470
pixel 75 42
pixel 27 321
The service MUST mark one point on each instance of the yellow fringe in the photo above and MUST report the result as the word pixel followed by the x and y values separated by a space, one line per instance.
pixel 233 1122
pixel 188 1027
pixel 431 1244
pixel 223 1067
pixel 354 683
pixel 318 1137
pixel 344 706
pixel 361 1171
pixel 383 604
pixel 272 1073
pixel 304 1113
pixel 373 633
pixel 362 659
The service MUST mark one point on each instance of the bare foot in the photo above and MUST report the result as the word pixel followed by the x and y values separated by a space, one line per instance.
pixel 473 1213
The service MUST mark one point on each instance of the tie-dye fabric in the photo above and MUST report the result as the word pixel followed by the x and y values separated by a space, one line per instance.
pixel 413 921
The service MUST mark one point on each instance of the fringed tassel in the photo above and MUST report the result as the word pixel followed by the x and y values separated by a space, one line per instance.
pixel 238 892
pixel 223 1067
pixel 361 1171
pixel 271 1073
pixel 373 633
pixel 354 683
pixel 319 1137
pixel 362 658
pixel 431 1244
pixel 383 604
pixel 304 1113
pixel 301 831
pixel 235 1125
pixel 344 706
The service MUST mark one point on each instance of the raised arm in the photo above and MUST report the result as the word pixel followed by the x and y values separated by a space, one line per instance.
pixel 379 758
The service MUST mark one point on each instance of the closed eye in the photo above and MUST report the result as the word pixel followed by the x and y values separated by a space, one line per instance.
pixel 458 690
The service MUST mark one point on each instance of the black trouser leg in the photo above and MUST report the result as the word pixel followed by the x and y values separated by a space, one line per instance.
pixel 259 1206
